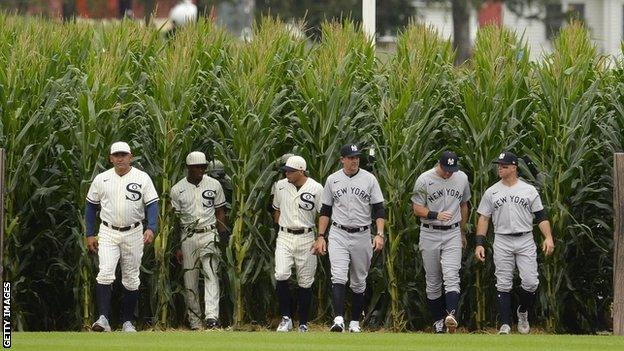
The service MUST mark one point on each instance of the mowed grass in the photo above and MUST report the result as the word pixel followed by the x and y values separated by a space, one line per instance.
pixel 322 341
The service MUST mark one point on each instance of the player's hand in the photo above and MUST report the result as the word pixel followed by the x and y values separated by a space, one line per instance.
pixel 92 243
pixel 464 240
pixel 378 243
pixel 480 253
pixel 148 236
pixel 548 246
pixel 445 216
pixel 179 256
pixel 320 246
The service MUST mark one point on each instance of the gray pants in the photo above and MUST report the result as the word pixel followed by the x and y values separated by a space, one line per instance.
pixel 441 252
pixel 350 253
pixel 511 251
pixel 200 254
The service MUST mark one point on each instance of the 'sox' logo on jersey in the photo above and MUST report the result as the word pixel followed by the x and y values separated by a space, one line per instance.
pixel 135 192
pixel 209 196
pixel 307 201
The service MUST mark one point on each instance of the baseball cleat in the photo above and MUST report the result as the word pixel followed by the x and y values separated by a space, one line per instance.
pixel 128 327
pixel 523 322
pixel 504 329
pixel 451 323
pixel 438 326
pixel 354 327
pixel 285 325
pixel 303 328
pixel 196 326
pixel 212 323
pixel 101 325
pixel 338 325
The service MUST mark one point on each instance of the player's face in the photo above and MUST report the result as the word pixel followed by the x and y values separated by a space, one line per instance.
pixel 350 163
pixel 505 171
pixel 293 176
pixel 121 160
pixel 196 171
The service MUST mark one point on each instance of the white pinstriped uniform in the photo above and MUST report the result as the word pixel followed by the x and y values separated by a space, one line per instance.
pixel 298 210
pixel 122 200
pixel 196 206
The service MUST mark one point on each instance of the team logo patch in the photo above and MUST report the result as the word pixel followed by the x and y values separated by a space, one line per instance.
pixel 501 156
pixel 450 161
pixel 307 201
pixel 209 196
pixel 354 148
pixel 134 191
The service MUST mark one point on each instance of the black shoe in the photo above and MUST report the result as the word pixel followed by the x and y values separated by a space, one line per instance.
pixel 212 323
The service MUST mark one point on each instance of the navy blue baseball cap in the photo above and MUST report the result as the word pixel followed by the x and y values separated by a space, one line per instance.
pixel 507 158
pixel 349 150
pixel 449 161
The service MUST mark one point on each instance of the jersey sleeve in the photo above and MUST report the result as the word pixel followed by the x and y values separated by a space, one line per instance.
pixel 485 205
pixel 149 191
pixel 94 194
pixel 276 197
pixel 467 195
pixel 536 201
pixel 317 197
pixel 419 193
pixel 326 196
pixel 175 199
pixel 220 197
pixel 376 194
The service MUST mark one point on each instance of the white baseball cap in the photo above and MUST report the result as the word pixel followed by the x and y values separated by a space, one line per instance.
pixel 120 146
pixel 295 163
pixel 196 158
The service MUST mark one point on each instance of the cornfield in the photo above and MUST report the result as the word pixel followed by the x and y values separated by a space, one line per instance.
pixel 67 90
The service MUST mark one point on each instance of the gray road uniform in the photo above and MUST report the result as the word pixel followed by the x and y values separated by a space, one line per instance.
pixel 196 205
pixel 349 242
pixel 512 212
pixel 440 241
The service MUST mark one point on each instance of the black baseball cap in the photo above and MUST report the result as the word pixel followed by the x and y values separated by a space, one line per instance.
pixel 449 162
pixel 507 158
pixel 349 150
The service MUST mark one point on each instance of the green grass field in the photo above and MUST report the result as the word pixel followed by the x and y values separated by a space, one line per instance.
pixel 322 341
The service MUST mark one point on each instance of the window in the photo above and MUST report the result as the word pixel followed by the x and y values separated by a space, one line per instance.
pixel 553 20
pixel 576 12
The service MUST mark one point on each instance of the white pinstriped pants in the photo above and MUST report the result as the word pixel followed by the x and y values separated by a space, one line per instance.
pixel 200 254
pixel 291 249
pixel 123 247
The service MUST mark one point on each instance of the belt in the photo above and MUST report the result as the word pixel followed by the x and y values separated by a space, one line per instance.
pixel 350 229
pixel 202 229
pixel 515 234
pixel 121 229
pixel 296 231
pixel 441 227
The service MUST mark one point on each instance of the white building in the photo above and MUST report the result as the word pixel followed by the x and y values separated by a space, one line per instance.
pixel 538 24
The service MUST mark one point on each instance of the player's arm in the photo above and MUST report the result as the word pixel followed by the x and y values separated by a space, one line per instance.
pixel 320 244
pixel 91 210
pixel 465 212
pixel 482 228
pixel 548 246
pixel 379 214
pixel 151 211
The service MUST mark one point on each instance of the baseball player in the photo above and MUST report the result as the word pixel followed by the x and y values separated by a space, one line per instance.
pixel 513 206
pixel 123 195
pixel 297 202
pixel 440 200
pixel 352 198
pixel 200 203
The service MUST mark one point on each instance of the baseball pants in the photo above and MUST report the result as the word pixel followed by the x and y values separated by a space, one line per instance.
pixel 511 251
pixel 200 253
pixel 291 249
pixel 350 257
pixel 125 248
pixel 441 252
